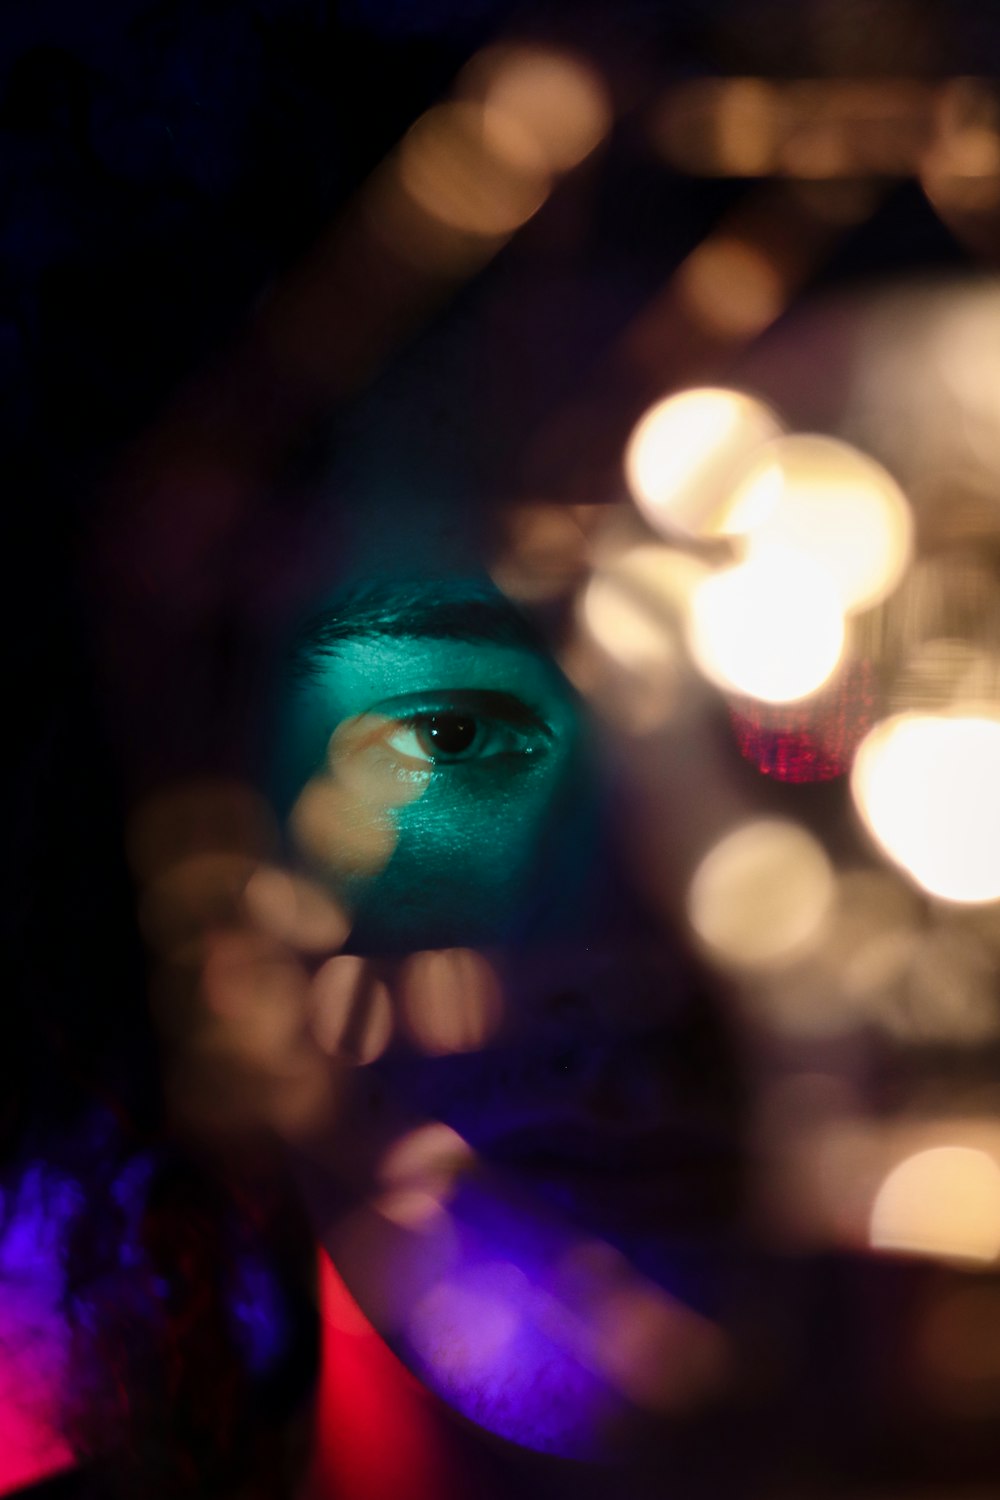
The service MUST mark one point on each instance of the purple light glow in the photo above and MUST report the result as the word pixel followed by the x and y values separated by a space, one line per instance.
pixel 32 1334
pixel 498 1347
pixel 486 1353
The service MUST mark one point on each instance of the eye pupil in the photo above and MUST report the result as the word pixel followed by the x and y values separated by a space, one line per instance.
pixel 450 734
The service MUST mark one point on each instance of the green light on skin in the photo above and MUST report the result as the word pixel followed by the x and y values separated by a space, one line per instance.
pixel 474 828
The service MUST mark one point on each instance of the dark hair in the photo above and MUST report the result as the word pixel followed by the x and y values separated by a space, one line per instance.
pixel 185 1294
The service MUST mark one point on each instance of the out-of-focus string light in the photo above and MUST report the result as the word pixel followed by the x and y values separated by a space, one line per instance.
pixel 711 126
pixel 942 673
pixel 190 899
pixel 854 127
pixel 770 627
pixel 652 1348
pixel 920 1185
pixel 633 605
pixel 942 1202
pixel 201 816
pixel 420 1172
pixel 545 549
pixel 964 173
pixel 928 791
pixel 475 170
pixel 556 100
pixel 936 986
pixel 686 456
pixel 960 171
pixel 472 170
pixel 809 128
pixel 295 910
pixel 827 529
pixel 761 895
pixel 351 1011
pixel 257 991
pixel 302 1099
pixel 733 287
pixel 921 394
pixel 466 1323
pixel 628 655
pixel 657 1352
pixel 342 836
pixel 807 1118
pixel 451 1000
pixel 953 990
pixel 748 118
pixel 232 995
pixel 836 506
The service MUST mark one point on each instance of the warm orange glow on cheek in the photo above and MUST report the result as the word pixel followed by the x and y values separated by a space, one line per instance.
pixel 466 868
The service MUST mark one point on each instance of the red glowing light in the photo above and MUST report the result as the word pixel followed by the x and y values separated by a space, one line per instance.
pixel 814 740
pixel 379 1434
pixel 31 1448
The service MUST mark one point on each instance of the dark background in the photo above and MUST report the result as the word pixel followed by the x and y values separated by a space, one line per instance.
pixel 163 164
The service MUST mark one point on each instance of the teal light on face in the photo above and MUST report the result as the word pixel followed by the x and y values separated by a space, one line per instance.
pixel 435 772
pixel 432 754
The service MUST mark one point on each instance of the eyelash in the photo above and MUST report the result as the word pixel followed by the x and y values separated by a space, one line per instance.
pixel 504 728
pixel 411 738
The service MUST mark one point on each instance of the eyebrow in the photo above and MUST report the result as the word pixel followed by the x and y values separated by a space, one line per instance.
pixel 420 610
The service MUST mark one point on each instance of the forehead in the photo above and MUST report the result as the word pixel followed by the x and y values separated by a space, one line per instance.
pixel 412 632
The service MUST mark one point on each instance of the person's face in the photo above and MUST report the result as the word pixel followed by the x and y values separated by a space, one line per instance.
pixel 426 704
pixel 441 778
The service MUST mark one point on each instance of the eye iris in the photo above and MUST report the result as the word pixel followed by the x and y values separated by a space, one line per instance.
pixel 449 734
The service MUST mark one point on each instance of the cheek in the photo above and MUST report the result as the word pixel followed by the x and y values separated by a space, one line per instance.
pixel 468 866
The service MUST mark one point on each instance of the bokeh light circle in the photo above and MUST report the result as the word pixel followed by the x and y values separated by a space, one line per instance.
pixel 836 506
pixel 928 789
pixel 634 604
pixel 352 1016
pixel 770 627
pixel 554 99
pixel 686 457
pixel 294 910
pixel 761 894
pixel 451 1000
pixel 944 1201
pixel 473 170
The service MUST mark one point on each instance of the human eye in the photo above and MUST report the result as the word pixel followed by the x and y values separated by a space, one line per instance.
pixel 428 809
pixel 462 728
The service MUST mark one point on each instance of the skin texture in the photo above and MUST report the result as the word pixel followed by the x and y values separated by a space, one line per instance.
pixel 582 1282
pixel 589 1097
pixel 472 828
